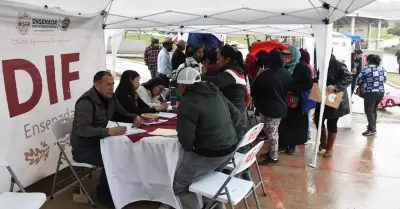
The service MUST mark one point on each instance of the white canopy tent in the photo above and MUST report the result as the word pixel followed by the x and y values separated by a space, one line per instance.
pixel 283 17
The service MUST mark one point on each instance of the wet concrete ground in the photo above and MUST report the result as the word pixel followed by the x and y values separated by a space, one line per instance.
pixel 363 173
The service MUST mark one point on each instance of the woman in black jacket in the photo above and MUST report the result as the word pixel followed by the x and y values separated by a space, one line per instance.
pixel 127 96
pixel 339 78
pixel 293 129
pixel 269 91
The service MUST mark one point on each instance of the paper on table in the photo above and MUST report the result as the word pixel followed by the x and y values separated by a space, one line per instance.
pixel 164 132
pixel 129 129
pixel 167 115
pixel 155 122
pixel 134 131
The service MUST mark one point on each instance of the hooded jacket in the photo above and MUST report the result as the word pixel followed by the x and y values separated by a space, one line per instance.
pixel 231 82
pixel 207 124
pixel 339 77
pixel 271 86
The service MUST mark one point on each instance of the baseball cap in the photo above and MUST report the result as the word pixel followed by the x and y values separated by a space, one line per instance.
pixel 188 75
pixel 154 40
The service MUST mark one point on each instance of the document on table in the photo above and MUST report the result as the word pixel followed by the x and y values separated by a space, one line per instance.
pixel 129 129
pixel 167 115
pixel 164 132
pixel 155 122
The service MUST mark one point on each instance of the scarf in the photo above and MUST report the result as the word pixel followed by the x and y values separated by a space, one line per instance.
pixel 295 58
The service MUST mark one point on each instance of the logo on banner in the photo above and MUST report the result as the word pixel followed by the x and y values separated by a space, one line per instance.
pixel 65 24
pixel 23 23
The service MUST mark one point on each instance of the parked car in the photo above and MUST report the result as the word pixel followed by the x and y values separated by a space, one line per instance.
pixel 389 100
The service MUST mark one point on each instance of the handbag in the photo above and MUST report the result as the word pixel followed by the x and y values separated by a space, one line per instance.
pixel 306 103
pixel 359 92
pixel 292 100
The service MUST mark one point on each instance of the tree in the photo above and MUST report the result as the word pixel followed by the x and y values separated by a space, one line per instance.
pixel 394 31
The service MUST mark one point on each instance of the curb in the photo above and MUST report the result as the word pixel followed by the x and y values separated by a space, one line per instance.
pixel 393 85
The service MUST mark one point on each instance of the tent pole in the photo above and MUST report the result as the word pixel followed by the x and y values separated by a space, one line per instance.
pixel 248 42
pixel 325 49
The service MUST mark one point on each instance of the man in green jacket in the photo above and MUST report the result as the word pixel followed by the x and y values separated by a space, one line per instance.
pixel 207 126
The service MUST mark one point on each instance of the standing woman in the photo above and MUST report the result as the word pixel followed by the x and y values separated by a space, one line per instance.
pixel 269 91
pixel 293 128
pixel 339 78
pixel 305 57
pixel 371 80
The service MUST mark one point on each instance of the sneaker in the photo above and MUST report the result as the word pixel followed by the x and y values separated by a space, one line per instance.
pixel 265 155
pixel 269 161
pixel 291 150
pixel 282 150
pixel 369 133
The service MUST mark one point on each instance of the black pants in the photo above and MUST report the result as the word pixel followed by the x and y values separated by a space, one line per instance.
pixel 153 73
pixel 371 102
pixel 331 123
pixel 92 155
pixel 353 84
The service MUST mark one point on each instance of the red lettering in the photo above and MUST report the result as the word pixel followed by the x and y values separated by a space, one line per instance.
pixel 67 76
pixel 51 79
pixel 250 157
pixel 10 67
pixel 16 108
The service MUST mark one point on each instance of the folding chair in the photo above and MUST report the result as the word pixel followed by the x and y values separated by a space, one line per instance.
pixel 248 138
pixel 12 200
pixel 227 188
pixel 61 128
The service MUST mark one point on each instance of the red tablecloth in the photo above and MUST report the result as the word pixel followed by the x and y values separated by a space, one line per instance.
pixel 170 124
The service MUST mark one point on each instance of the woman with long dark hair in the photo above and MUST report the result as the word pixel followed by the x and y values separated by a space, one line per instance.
pixel 150 91
pixel 127 96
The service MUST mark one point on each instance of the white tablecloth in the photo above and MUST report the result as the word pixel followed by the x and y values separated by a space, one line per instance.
pixel 141 171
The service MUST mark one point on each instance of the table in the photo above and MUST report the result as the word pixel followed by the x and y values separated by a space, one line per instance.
pixel 142 167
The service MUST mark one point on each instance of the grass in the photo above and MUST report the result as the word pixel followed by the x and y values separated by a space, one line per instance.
pixel 393 50
pixel 384 34
pixel 394 78
pixel 374 31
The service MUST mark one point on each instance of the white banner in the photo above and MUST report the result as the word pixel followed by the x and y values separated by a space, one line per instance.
pixel 48 59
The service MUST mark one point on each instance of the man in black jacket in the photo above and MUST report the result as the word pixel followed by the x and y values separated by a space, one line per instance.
pixel 207 129
pixel 356 66
pixel 93 110
pixel 178 57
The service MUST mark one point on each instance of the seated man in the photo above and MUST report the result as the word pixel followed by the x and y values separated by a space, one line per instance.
pixel 206 125
pixel 93 110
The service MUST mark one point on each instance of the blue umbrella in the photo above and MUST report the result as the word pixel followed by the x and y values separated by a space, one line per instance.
pixel 209 40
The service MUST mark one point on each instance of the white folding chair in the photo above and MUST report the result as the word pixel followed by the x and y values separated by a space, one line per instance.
pixel 248 138
pixel 61 128
pixel 13 200
pixel 229 189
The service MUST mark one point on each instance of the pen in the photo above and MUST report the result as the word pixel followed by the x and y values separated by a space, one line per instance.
pixel 117 123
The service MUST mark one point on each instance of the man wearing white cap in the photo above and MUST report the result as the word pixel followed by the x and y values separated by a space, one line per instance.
pixel 207 124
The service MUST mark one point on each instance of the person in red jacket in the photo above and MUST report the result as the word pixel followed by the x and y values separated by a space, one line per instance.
pixel 251 62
